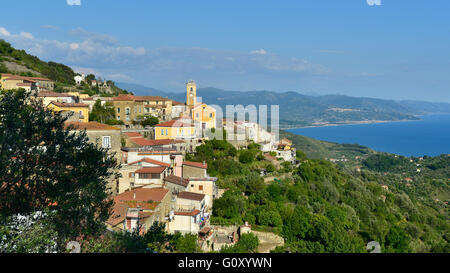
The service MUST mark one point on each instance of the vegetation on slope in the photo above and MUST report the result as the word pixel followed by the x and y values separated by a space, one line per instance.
pixel 319 206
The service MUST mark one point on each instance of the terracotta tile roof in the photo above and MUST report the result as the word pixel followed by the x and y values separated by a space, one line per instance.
pixel 191 196
pixel 187 213
pixel 155 142
pixel 17 77
pixel 175 123
pixel 142 141
pixel 155 170
pixel 62 104
pixel 133 134
pixel 142 195
pixel 152 161
pixel 177 180
pixel 151 98
pixel 177 103
pixel 128 97
pixel 205 230
pixel 124 97
pixel 195 164
pixel 118 215
pixel 90 126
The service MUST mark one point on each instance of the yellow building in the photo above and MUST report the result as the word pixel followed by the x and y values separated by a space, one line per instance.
pixel 80 109
pixel 9 81
pixel 205 115
pixel 129 108
pixel 175 129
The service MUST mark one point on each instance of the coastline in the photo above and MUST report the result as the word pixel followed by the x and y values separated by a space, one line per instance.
pixel 352 123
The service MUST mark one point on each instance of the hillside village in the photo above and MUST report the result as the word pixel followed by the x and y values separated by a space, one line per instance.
pixel 157 183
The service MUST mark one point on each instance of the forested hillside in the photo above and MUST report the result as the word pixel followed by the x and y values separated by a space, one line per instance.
pixel 319 206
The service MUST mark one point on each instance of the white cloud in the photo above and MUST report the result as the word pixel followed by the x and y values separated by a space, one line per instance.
pixel 74 2
pixel 103 55
pixel 27 35
pixel 374 2
pixel 259 51
pixel 4 32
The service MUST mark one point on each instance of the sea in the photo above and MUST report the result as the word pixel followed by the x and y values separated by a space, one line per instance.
pixel 428 136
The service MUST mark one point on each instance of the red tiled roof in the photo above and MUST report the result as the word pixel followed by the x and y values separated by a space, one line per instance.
pixel 151 170
pixel 177 180
pixel 133 134
pixel 142 195
pixel 118 214
pixel 62 104
pixel 191 196
pixel 128 97
pixel 152 161
pixel 92 125
pixel 175 123
pixel 157 142
pixel 141 141
pixel 17 77
pixel 205 230
pixel 177 103
pixel 196 164
pixel 187 213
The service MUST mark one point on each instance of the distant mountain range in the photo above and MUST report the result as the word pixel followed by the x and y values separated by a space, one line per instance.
pixel 298 110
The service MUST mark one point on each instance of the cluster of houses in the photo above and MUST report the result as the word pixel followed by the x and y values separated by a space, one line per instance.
pixel 156 183
pixel 31 84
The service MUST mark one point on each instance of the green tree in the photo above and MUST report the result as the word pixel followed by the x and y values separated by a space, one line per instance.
pixel 187 244
pixel 397 240
pixel 246 156
pixel 149 121
pixel 248 243
pixel 44 165
pixel 102 113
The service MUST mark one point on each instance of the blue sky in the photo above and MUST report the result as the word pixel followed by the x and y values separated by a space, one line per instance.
pixel 397 50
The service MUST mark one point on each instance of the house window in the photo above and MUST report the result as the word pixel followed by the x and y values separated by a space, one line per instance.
pixel 156 176
pixel 167 132
pixel 197 115
pixel 143 175
pixel 131 175
pixel 210 115
pixel 106 142
pixel 127 111
pixel 162 132
pixel 200 187
pixel 118 117
pixel 118 110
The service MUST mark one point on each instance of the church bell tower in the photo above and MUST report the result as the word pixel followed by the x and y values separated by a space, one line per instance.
pixel 191 94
